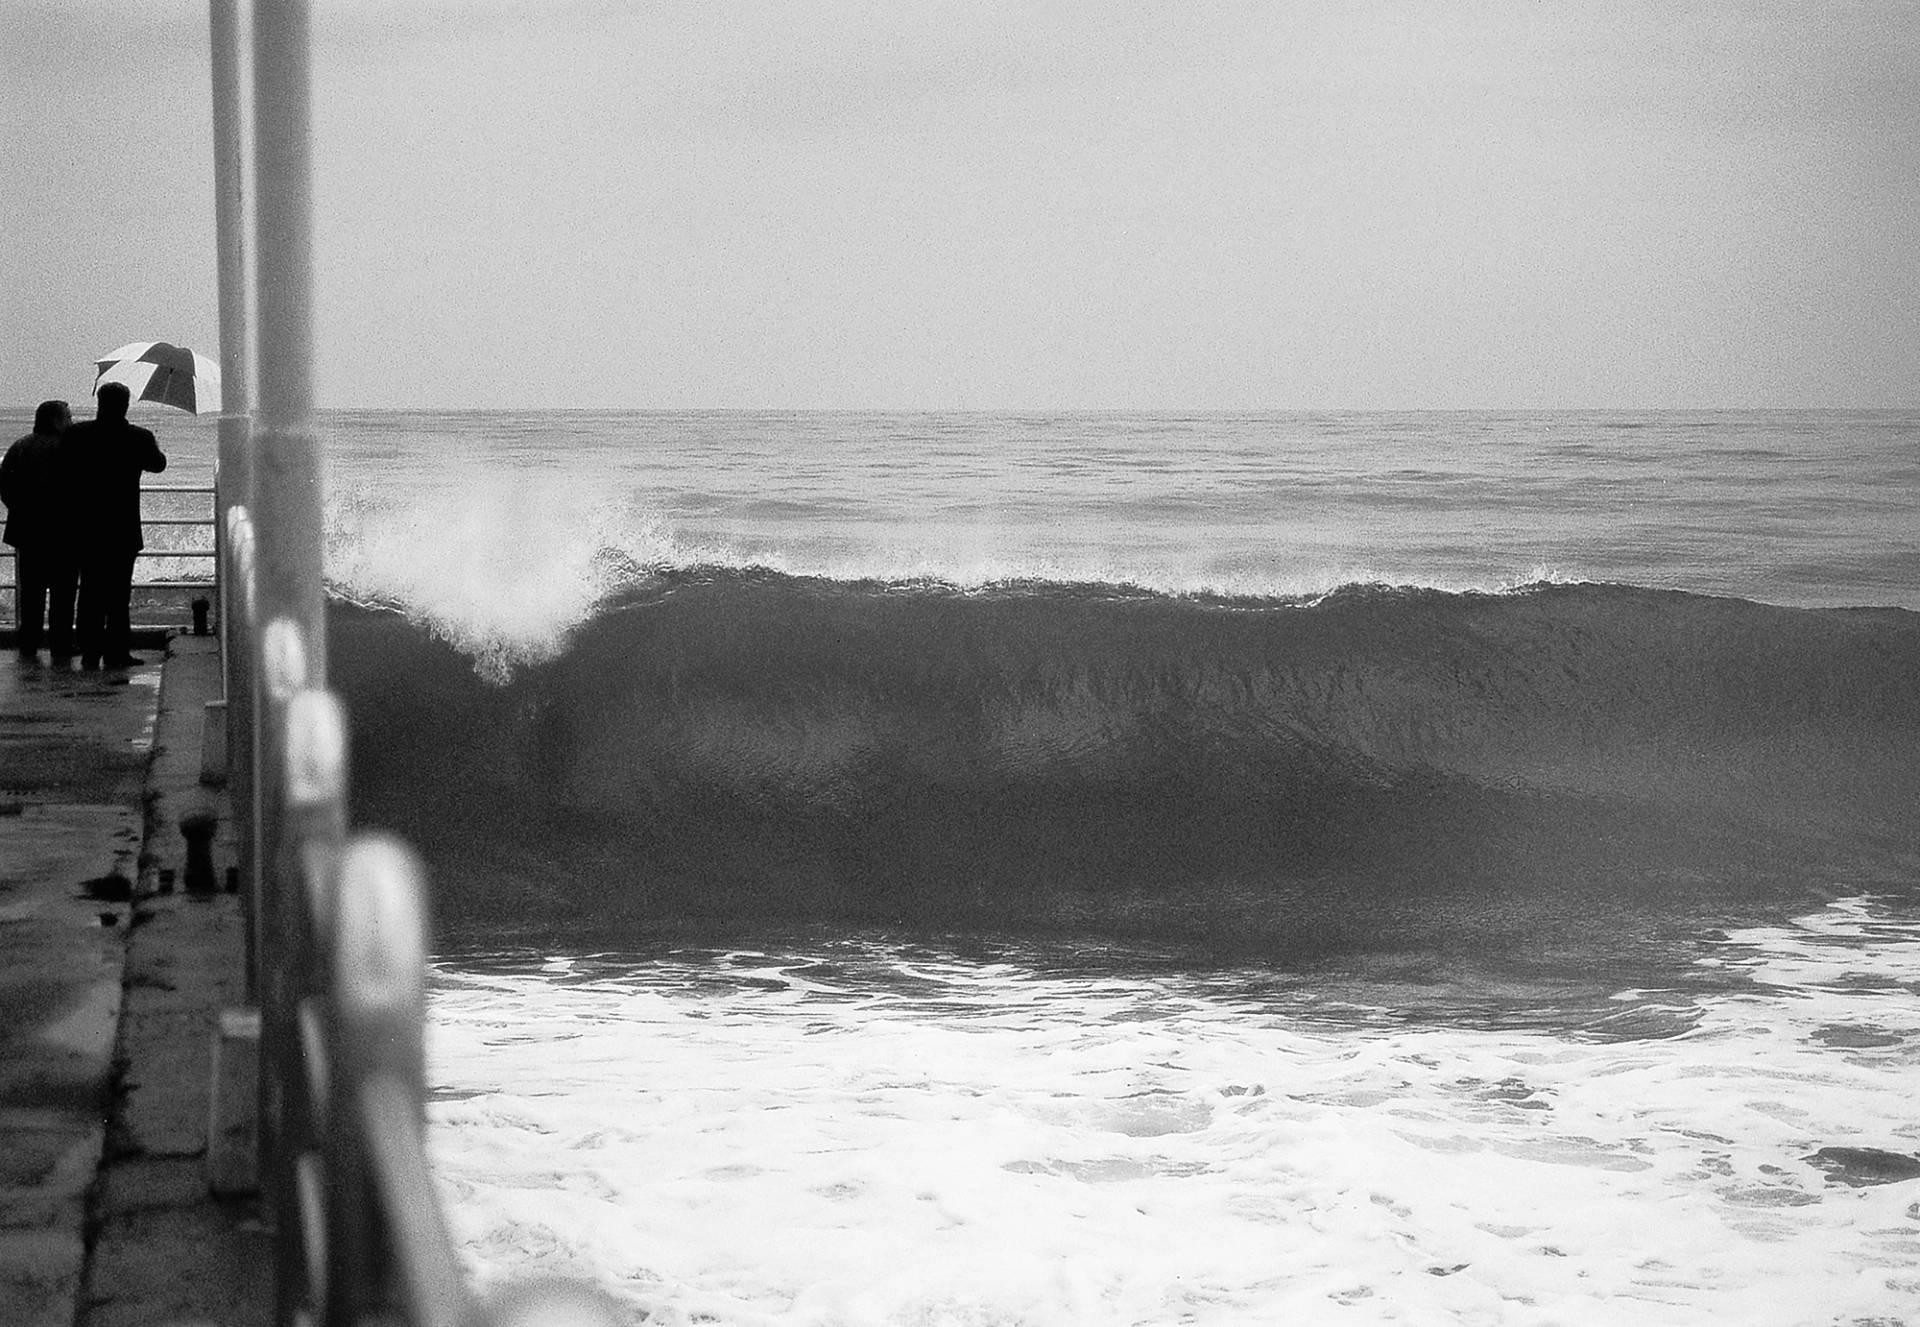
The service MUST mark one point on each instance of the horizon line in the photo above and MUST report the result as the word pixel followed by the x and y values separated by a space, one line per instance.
pixel 157 409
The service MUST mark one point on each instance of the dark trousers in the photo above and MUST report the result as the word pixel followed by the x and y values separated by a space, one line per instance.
pixel 43 589
pixel 106 597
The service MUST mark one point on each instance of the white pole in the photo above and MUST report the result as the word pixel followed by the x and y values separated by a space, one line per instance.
pixel 289 637
pixel 229 212
pixel 232 467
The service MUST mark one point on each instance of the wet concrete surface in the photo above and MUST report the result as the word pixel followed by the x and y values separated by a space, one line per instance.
pixel 166 1249
pixel 74 748
pixel 112 978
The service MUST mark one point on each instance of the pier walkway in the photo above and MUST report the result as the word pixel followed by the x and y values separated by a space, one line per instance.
pixel 112 977
pixel 132 1193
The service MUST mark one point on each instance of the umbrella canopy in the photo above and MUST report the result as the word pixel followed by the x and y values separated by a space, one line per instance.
pixel 159 371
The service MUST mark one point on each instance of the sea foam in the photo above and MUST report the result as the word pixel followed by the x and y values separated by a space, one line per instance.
pixel 852 1134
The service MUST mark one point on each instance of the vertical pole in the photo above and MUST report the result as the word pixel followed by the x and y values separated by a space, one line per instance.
pixel 232 469
pixel 287 462
pixel 286 521
pixel 229 211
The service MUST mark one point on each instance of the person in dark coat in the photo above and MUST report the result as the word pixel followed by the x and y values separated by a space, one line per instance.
pixel 107 455
pixel 33 485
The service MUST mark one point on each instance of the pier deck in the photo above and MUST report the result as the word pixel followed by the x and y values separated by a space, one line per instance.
pixel 108 999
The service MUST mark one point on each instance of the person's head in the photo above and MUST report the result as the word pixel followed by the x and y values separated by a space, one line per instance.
pixel 52 417
pixel 114 399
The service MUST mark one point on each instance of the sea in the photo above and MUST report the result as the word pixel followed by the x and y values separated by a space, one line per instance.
pixel 956 869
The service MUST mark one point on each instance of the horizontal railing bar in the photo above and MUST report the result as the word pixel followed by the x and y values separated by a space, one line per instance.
pixel 208 489
pixel 156 554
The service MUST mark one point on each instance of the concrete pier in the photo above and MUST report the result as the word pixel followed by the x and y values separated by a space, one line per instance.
pixel 112 983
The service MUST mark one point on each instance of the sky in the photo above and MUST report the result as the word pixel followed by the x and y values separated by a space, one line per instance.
pixel 1009 204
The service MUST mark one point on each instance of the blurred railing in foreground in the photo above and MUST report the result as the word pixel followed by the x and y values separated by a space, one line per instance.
pixel 339 952
pixel 336 922
pixel 337 969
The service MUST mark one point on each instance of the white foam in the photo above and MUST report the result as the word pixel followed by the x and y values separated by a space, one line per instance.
pixel 503 565
pixel 985 1145
pixel 502 533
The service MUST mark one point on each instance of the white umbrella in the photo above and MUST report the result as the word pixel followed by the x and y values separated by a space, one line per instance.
pixel 169 374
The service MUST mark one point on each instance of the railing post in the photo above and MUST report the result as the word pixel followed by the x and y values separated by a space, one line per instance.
pixel 232 469
pixel 286 460
pixel 243 726
pixel 341 934
pixel 285 512
pixel 290 816
pixel 229 210
pixel 313 1126
pixel 391 1227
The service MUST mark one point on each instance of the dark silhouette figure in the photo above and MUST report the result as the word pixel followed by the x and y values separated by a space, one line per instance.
pixel 34 486
pixel 106 455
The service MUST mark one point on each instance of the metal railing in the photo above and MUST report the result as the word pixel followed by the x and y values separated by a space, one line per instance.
pixel 339 941
pixel 153 592
pixel 337 930
pixel 339 936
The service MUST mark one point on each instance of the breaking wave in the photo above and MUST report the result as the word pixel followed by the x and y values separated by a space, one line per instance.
pixel 716 747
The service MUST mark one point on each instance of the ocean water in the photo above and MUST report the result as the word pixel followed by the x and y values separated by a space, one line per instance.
pixel 968 869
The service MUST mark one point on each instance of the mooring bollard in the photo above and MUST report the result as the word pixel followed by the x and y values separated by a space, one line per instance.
pixel 197 828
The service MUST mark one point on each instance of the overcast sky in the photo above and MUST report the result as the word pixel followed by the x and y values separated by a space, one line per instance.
pixel 1010 203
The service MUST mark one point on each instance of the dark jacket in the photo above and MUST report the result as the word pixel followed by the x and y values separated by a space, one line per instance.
pixel 106 458
pixel 34 487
